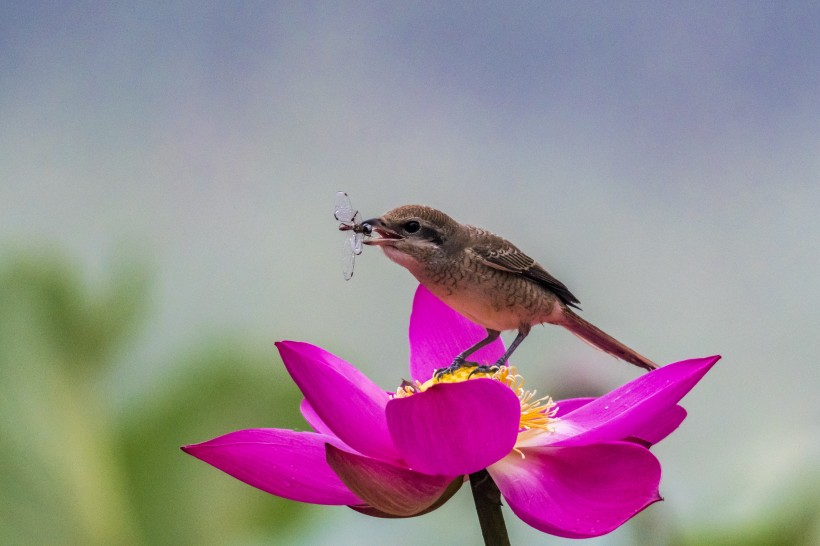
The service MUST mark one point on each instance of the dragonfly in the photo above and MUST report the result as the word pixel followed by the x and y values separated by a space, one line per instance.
pixel 351 221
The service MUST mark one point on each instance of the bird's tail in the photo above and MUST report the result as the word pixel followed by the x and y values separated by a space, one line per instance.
pixel 603 341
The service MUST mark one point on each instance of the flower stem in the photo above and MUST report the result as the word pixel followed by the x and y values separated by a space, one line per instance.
pixel 487 499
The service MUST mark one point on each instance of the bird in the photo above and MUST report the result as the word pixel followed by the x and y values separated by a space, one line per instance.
pixel 486 279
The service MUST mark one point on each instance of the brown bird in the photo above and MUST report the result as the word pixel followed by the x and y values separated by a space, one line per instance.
pixel 486 279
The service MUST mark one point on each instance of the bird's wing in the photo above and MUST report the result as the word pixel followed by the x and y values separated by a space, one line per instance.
pixel 505 256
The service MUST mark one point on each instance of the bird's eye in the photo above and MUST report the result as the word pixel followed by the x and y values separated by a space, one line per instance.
pixel 412 226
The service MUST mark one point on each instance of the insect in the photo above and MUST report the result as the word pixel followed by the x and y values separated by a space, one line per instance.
pixel 351 221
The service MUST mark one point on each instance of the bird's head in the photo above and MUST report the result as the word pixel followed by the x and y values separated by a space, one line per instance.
pixel 412 232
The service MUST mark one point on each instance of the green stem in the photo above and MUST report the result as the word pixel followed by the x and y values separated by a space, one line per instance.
pixel 487 499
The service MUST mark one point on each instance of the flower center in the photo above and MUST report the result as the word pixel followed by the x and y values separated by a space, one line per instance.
pixel 536 413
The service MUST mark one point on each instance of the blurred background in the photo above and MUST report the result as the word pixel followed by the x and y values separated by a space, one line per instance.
pixel 167 176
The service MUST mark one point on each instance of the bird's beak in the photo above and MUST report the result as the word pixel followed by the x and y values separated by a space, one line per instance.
pixel 386 236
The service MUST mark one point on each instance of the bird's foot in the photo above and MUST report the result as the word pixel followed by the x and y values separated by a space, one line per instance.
pixel 485 369
pixel 461 363
pixel 457 364
pixel 501 362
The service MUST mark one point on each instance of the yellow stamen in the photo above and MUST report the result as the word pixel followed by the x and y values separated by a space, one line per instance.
pixel 536 413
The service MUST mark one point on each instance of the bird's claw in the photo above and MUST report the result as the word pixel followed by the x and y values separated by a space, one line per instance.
pixel 460 363
pixel 485 369
pixel 457 364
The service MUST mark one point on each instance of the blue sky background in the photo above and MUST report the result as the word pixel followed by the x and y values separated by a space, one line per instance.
pixel 663 162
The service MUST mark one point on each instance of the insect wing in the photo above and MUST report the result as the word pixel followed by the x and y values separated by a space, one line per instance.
pixel 350 221
pixel 357 242
pixel 348 257
pixel 343 210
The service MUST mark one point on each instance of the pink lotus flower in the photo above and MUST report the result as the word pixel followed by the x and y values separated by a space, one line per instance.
pixel 578 468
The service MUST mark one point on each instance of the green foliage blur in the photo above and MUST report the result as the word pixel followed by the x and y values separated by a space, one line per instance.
pixel 79 467
pixel 76 468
